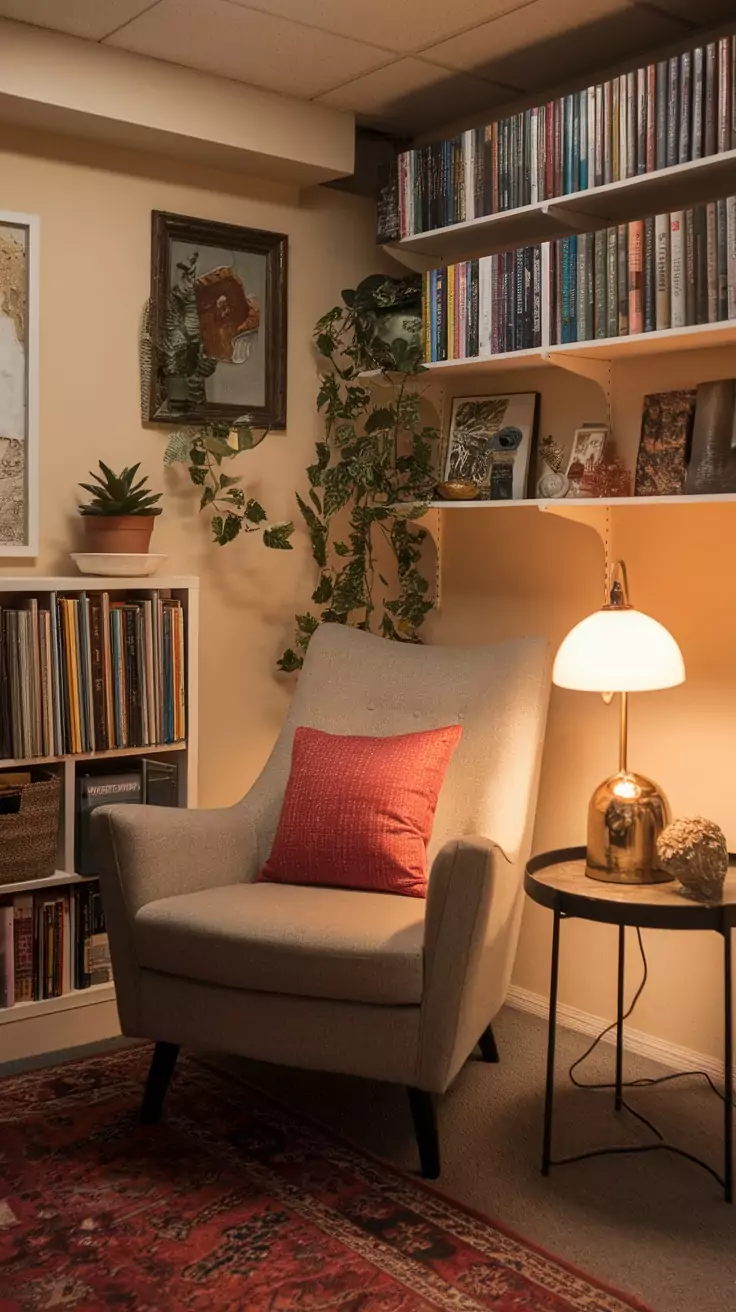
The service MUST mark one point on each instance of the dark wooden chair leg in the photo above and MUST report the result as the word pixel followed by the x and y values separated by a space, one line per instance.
pixel 159 1076
pixel 487 1045
pixel 424 1116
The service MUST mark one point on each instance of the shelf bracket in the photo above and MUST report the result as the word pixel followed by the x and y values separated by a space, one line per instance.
pixel 592 517
pixel 575 218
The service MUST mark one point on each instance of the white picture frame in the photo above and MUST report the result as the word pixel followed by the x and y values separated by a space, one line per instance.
pixel 24 544
pixel 476 443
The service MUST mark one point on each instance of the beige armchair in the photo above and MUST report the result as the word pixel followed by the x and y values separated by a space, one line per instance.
pixel 388 987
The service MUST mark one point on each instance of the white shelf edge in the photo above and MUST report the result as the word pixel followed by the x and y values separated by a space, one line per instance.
pixel 92 583
pixel 110 754
pixel 683 499
pixel 96 993
pixel 59 879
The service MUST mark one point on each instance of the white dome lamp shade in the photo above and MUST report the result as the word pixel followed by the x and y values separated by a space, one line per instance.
pixel 619 649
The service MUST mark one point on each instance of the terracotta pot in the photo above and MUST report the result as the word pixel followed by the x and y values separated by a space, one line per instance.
pixel 119 534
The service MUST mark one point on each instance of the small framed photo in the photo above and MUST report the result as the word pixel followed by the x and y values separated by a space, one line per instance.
pixel 217 322
pixel 588 447
pixel 490 443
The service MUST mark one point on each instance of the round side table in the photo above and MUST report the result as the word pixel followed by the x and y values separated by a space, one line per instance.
pixel 557 880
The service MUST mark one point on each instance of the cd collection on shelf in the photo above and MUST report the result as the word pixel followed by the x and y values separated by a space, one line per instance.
pixel 88 673
pixel 670 112
pixel 672 271
pixel 482 307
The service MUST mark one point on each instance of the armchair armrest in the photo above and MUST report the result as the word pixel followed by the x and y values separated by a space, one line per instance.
pixel 151 852
pixel 473 910
pixel 160 851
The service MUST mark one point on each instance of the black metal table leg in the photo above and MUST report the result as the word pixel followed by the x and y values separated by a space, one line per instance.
pixel 620 1016
pixel 728 1068
pixel 549 1091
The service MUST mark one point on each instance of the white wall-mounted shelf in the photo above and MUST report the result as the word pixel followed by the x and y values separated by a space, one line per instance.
pixel 673 188
pixel 582 503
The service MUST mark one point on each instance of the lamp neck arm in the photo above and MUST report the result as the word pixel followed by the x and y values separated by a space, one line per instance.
pixel 623 745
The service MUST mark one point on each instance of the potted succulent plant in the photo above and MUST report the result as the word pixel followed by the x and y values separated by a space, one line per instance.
pixel 119 517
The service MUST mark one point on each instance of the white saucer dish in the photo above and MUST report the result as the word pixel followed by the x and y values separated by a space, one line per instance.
pixel 117 566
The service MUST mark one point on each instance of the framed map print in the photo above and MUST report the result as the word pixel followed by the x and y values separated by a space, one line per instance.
pixel 217 322
pixel 18 384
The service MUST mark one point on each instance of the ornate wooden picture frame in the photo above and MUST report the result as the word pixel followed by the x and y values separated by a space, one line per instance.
pixel 19 263
pixel 217 322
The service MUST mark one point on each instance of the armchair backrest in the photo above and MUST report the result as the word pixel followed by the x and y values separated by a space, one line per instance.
pixel 355 683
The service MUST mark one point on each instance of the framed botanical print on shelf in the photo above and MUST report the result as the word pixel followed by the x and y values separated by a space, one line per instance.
pixel 217 323
pixel 19 236
pixel 490 443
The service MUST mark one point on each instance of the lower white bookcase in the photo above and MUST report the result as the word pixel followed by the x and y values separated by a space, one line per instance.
pixel 87 1015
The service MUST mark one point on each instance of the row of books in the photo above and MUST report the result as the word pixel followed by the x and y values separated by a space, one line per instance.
pixel 670 271
pixel 52 943
pixel 665 113
pixel 481 307
pixel 86 673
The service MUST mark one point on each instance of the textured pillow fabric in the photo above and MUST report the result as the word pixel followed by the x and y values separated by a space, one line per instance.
pixel 358 811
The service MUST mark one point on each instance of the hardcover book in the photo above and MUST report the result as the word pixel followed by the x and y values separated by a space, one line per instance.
pixel 666 429
pixel 93 791
pixel 712 466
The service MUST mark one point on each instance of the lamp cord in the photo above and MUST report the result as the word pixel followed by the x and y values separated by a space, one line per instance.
pixel 644 1081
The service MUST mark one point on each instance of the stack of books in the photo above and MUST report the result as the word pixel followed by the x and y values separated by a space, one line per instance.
pixel 86 673
pixel 482 307
pixel 671 112
pixel 52 943
pixel 670 271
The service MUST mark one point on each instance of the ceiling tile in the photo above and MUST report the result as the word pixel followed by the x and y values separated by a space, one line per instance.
pixel 404 25
pixel 552 40
pixel 93 19
pixel 223 38
pixel 411 96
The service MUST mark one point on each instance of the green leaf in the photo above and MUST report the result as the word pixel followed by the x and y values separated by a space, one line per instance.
pixel 325 344
pixel 380 418
pixel 254 512
pixel 197 475
pixel 290 662
pixel 198 457
pixel 323 590
pixel 307 623
pixel 229 480
pixel 217 527
pixel 338 489
pixel 317 532
pixel 208 497
pixel 178 447
pixel 341 548
pixel 217 447
pixel 232 526
pixel 277 536
pixel 315 500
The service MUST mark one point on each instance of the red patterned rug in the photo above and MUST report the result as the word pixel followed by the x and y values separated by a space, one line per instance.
pixel 233 1204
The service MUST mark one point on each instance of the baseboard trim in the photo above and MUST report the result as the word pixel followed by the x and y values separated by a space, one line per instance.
pixel 645 1045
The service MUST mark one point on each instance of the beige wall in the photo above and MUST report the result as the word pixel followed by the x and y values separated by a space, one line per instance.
pixel 512 571
pixel 95 207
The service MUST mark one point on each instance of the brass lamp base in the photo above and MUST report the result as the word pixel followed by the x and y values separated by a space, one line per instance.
pixel 626 815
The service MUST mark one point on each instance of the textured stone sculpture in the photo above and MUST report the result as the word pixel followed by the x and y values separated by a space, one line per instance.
pixel 695 852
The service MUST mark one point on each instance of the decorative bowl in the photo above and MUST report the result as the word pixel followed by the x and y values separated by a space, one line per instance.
pixel 459 489
pixel 117 565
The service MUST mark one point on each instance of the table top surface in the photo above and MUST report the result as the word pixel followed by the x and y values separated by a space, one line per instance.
pixel 558 880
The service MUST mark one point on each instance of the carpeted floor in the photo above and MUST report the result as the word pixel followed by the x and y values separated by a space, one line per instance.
pixel 652 1223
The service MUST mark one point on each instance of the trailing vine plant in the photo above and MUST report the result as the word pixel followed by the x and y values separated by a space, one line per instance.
pixel 373 472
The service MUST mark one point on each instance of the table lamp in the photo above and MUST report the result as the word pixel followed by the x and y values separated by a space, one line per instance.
pixel 619 649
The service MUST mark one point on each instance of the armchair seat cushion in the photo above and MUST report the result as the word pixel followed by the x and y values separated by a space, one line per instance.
pixel 277 938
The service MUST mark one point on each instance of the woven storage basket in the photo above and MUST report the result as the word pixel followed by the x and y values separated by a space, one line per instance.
pixel 28 837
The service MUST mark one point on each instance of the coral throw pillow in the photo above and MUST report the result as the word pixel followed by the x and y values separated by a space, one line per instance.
pixel 358 811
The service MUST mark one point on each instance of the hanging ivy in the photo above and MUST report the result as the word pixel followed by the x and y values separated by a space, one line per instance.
pixel 373 472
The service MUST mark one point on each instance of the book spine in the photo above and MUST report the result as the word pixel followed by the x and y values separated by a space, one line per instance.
pixel 575 179
pixel 565 303
pixel 600 326
pixel 611 282
pixel 607 132
pixel 725 92
pixel 582 111
pixel 479 172
pixel 673 109
pixel 450 277
pixel 558 146
pixel 711 264
pixel 536 323
pixel 651 127
pixel 636 276
pixel 573 288
pixel 731 255
pixel 698 94
pixel 710 99
pixel 23 935
pixel 660 134
pixel 599 135
pixel 469 173
pixel 441 313
pixel 722 258
pixel 567 146
pixel 495 167
pixel 549 150
pixel 641 120
pixel 623 130
pixel 662 245
pixel 649 274
pixel 690 266
pixel 686 86
pixel 591 135
pixel 615 129
pixel 7 963
pixel 623 280
pixel 631 124
pixel 581 274
pixel 677 269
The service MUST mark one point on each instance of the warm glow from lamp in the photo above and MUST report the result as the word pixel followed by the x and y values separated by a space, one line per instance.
pixel 618 650
pixel 621 650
